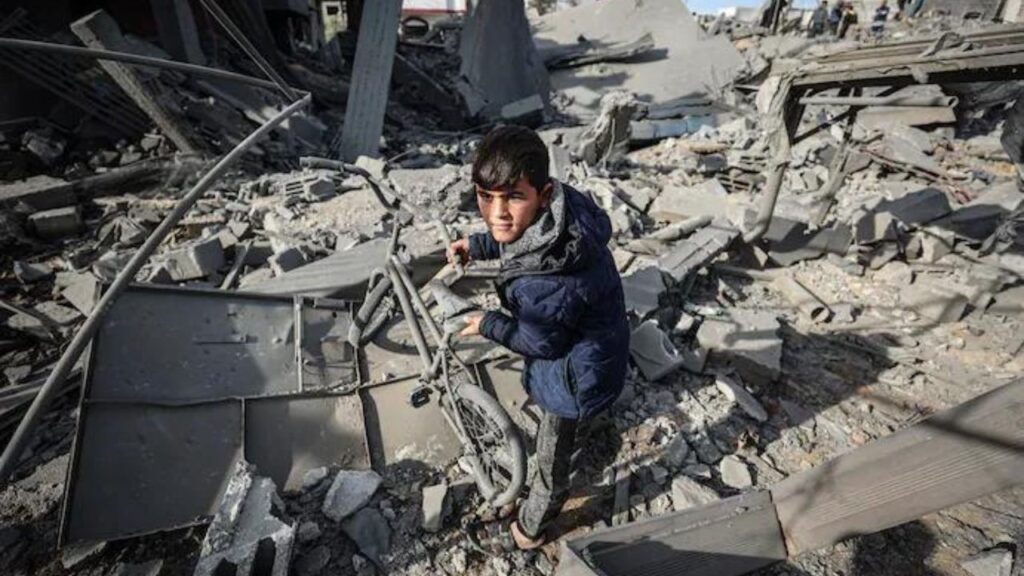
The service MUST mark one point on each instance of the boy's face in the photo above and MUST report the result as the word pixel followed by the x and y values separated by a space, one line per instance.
pixel 509 212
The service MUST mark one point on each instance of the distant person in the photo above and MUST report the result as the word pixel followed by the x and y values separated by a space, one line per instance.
pixel 848 20
pixel 835 16
pixel 879 19
pixel 901 9
pixel 819 19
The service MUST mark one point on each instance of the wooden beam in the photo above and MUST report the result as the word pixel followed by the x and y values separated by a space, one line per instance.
pixel 967 452
pixel 98 30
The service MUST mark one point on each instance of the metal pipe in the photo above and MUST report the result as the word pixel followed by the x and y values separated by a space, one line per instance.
pixel 895 100
pixel 8 460
pixel 184 67
pixel 410 318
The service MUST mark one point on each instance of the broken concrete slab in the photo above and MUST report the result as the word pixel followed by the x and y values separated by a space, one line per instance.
pixel 350 491
pixel 196 260
pixel 706 199
pixel 676 38
pixel 607 138
pixel 978 219
pixel 343 273
pixel 57 223
pixel 370 531
pixel 642 290
pixel 37 193
pixel 435 506
pixel 735 472
pixel 748 340
pixel 688 493
pixel 250 531
pixel 286 260
pixel 791 241
pixel 688 256
pixel 885 117
pixel 739 395
pixel 934 300
pixel 653 352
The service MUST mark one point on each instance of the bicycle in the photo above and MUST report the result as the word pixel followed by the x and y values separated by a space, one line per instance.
pixel 492 447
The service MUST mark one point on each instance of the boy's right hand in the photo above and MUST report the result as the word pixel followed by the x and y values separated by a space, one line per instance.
pixel 459 250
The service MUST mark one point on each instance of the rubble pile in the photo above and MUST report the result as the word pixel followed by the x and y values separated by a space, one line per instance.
pixel 886 287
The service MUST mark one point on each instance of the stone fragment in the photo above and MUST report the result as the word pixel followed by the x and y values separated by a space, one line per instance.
pixel 312 478
pixel 350 491
pixel 308 531
pixel 690 255
pixel 17 374
pixel 735 472
pixel 739 395
pixel 642 290
pixel 75 554
pixel 435 506
pixel 688 493
pixel 370 531
pixel 37 193
pixel 57 223
pixel 313 562
pixel 83 291
pixel 675 452
pixel 996 562
pixel 527 111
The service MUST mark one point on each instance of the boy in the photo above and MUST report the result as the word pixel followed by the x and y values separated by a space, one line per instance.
pixel 559 281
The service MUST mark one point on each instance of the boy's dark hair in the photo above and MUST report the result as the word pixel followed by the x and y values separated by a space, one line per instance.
pixel 507 154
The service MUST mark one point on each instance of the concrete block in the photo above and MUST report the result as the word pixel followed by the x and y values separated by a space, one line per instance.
pixel 653 352
pixel 57 223
pixel 197 260
pixel 286 260
pixel 688 256
pixel 435 506
pixel 82 292
pixel 37 193
pixel 679 203
pixel 746 339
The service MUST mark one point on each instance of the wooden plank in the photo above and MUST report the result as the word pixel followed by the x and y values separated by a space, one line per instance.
pixel 371 75
pixel 964 453
pixel 730 537
pixel 98 30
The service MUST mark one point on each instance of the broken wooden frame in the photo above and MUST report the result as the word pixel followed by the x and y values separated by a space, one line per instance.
pixel 962 454
pixel 993 55
pixel 183 383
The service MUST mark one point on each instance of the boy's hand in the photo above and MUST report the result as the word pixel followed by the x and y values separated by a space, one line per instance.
pixel 472 325
pixel 459 249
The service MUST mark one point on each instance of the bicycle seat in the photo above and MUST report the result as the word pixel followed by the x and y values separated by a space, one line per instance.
pixel 451 304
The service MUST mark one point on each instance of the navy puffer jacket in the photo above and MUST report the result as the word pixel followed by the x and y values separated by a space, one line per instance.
pixel 568 314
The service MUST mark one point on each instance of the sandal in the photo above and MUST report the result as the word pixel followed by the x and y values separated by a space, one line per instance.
pixel 502 537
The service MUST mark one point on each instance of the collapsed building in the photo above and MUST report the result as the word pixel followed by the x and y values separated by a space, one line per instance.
pixel 817 240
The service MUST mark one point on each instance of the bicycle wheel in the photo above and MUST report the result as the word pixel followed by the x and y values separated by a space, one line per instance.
pixel 501 458
pixel 374 312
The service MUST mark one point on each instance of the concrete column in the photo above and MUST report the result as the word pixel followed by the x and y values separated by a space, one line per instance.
pixel 371 76
pixel 177 28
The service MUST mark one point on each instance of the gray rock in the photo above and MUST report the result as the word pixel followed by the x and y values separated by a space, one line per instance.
pixel 996 562
pixel 308 531
pixel 688 493
pixel 27 272
pixel 370 531
pixel 313 562
pixel 735 472
pixel 739 395
pixel 350 491
pixel 435 506
pixel 675 452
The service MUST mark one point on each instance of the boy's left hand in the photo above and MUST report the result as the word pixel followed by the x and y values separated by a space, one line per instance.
pixel 472 325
